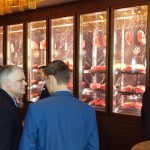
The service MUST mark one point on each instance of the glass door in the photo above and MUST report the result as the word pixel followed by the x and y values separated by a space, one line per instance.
pixel 62 42
pixel 36 57
pixel 15 45
pixel 92 74
pixel 129 59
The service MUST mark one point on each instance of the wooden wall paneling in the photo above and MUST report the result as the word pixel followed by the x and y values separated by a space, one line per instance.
pixel 102 124
pixel 62 9
pixel 15 18
pixel 127 3
pixel 88 6
pixel 36 15
pixel 124 132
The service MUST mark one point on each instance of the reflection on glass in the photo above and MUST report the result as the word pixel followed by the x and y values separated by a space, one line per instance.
pixel 15 44
pixel 129 71
pixel 36 57
pixel 1 46
pixel 93 59
pixel 62 42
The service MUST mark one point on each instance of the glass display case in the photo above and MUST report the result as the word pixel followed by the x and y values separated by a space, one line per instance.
pixel 15 45
pixel 129 59
pixel 1 45
pixel 62 30
pixel 36 57
pixel 92 74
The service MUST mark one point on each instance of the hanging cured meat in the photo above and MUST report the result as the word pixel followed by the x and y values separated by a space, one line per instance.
pixel 34 45
pixel 129 38
pixel 97 41
pixel 141 37
pixel 43 44
pixel 69 63
pixel 104 40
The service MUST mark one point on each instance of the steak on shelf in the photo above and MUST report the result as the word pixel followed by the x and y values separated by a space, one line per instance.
pixel 139 67
pixel 126 68
pixel 98 68
pixel 138 105
pixel 127 105
pixel 97 102
pixel 128 88
pixel 98 86
pixel 136 67
pixel 139 89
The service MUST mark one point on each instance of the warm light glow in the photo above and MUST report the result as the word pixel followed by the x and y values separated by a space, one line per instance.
pixel 6 6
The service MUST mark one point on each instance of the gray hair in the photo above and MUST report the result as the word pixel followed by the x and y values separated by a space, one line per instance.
pixel 6 71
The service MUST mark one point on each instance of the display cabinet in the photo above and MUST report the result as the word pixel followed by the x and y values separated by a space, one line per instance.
pixel 36 57
pixel 1 45
pixel 15 45
pixel 92 88
pixel 62 36
pixel 129 59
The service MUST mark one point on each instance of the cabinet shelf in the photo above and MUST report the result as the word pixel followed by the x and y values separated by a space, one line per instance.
pixel 130 72
pixel 129 93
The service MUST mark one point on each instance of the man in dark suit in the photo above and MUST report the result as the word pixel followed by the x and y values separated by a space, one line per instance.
pixel 12 85
pixel 60 121
pixel 44 92
pixel 145 113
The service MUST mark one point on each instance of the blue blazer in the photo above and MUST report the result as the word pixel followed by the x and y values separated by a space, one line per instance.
pixel 60 122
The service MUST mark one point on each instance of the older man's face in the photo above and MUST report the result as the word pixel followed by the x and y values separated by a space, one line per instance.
pixel 17 83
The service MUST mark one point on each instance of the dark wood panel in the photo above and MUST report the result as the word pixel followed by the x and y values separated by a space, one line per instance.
pixel 103 136
pixel 102 121
pixel 38 14
pixel 84 6
pixel 122 141
pixel 124 125
pixel 62 10
pixel 124 131
pixel 102 124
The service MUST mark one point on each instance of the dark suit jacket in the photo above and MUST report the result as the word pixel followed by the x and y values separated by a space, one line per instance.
pixel 60 122
pixel 44 93
pixel 145 113
pixel 10 123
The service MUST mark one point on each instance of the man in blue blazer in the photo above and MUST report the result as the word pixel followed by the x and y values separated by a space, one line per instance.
pixel 61 121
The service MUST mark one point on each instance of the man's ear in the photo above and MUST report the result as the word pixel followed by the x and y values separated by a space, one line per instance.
pixel 52 79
